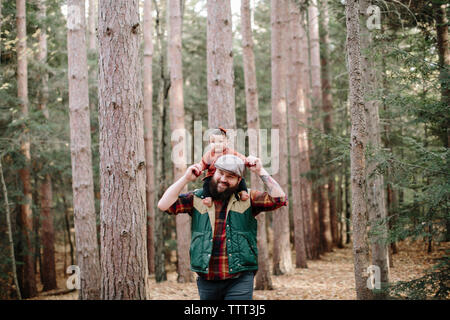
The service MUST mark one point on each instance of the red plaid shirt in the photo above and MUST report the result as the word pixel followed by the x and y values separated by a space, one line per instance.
pixel 218 264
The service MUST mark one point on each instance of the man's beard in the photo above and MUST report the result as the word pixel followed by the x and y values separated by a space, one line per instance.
pixel 224 195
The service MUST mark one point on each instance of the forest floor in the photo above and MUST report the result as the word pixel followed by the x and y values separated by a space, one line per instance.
pixel 330 278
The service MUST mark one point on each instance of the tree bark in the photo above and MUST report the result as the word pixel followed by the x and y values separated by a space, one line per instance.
pixel 357 157
pixel 164 83
pixel 327 108
pixel 440 12
pixel 294 96
pixel 48 269
pixel 263 280
pixel 316 85
pixel 220 75
pixel 148 134
pixel 305 164
pixel 91 24
pixel 26 216
pixel 69 235
pixel 176 105
pixel 282 261
pixel 376 200
pixel 80 145
pixel 122 154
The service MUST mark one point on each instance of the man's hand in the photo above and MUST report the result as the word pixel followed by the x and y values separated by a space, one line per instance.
pixel 193 172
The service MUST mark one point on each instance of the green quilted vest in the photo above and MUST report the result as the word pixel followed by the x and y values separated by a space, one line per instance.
pixel 241 227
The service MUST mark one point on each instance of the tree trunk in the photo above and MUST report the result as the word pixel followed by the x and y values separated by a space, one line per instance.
pixel 148 135
pixel 91 24
pixel 357 157
pixel 375 182
pixel 263 280
pixel 164 83
pixel 294 96
pixel 26 216
pixel 69 235
pixel 176 99
pixel 305 164
pixel 48 270
pixel 340 211
pixel 10 235
pixel 122 154
pixel 80 145
pixel 440 12
pixel 327 108
pixel 347 191
pixel 282 261
pixel 326 240
pixel 220 76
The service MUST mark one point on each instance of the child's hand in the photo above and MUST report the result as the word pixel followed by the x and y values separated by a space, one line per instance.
pixel 253 163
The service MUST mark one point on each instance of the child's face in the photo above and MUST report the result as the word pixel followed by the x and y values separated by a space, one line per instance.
pixel 218 143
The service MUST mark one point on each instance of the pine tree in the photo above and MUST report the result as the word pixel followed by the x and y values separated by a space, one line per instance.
pixel 123 215
pixel 294 98
pixel 28 278
pixel 221 105
pixel 176 99
pixel 263 280
pixel 282 261
pixel 48 233
pixel 358 138
pixel 80 145
pixel 148 135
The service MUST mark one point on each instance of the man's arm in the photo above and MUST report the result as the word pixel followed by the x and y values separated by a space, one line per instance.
pixel 272 186
pixel 172 193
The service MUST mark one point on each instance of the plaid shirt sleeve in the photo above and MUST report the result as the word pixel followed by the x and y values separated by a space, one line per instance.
pixel 263 201
pixel 184 204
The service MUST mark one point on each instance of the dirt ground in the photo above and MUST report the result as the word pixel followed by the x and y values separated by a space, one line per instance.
pixel 330 278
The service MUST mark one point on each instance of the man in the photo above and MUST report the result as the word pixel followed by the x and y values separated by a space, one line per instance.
pixel 223 237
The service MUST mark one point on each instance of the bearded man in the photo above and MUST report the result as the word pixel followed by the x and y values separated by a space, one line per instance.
pixel 223 248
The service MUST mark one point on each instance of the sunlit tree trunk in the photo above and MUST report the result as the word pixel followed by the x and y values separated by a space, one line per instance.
pixel 358 138
pixel 92 15
pixel 310 220
pixel 327 108
pixel 294 98
pixel 263 280
pixel 80 146
pixel 316 96
pixel 148 135
pixel 220 76
pixel 176 105
pixel 282 261
pixel 123 215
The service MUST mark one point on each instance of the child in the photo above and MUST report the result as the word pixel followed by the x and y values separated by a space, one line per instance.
pixel 218 142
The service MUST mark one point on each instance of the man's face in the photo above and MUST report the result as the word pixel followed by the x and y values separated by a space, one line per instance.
pixel 218 143
pixel 223 184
